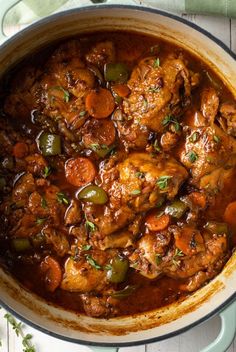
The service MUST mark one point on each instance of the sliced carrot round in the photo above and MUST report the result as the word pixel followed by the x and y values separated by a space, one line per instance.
pixel 100 103
pixel 154 222
pixel 20 150
pixel 51 271
pixel 79 171
pixel 101 132
pixel 230 214
pixel 121 89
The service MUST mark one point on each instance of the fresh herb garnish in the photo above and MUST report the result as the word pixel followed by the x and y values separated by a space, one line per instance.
pixel 44 203
pixel 40 221
pixel 145 104
pixel 139 174
pixel 156 62
pixel 216 139
pixel 108 267
pixel 66 96
pixel 96 146
pixel 156 146
pixel 90 225
pixel 162 182
pixel 86 247
pixel 17 327
pixel 154 89
pixel 177 254
pixel 158 259
pixel 62 198
pixel 82 113
pixel 170 119
pixel 192 156
pixel 93 262
pixel 47 171
pixel 194 137
pixel 136 191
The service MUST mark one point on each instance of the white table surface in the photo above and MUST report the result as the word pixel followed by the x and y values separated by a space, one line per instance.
pixel 191 341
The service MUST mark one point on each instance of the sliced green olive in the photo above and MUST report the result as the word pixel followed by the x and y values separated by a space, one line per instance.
pixel 218 228
pixel 176 209
pixel 50 144
pixel 21 244
pixel 127 291
pixel 116 72
pixel 93 194
pixel 118 271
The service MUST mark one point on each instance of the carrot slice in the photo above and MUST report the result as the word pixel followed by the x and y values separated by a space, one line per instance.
pixel 230 214
pixel 198 199
pixel 121 89
pixel 157 223
pixel 79 171
pixel 100 132
pixel 20 150
pixel 100 103
pixel 51 272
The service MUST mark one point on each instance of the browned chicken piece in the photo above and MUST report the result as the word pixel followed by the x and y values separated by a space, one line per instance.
pixel 86 274
pixel 101 307
pixel 181 253
pixel 46 205
pixel 73 214
pixel 62 91
pixel 21 101
pixel 209 153
pixel 59 92
pixel 209 104
pixel 121 239
pixel 101 53
pixel 57 240
pixel 148 255
pixel 228 118
pixel 158 89
pixel 133 135
pixel 169 140
pixel 135 185
pixel 36 164
pixel 24 186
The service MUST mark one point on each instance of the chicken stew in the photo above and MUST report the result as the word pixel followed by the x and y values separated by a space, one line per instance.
pixel 117 174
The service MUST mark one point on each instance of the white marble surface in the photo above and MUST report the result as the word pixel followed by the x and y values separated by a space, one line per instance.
pixel 191 341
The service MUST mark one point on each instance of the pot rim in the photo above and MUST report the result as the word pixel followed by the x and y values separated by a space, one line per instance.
pixel 39 24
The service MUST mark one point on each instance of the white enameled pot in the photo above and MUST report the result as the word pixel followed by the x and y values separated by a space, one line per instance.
pixel 178 317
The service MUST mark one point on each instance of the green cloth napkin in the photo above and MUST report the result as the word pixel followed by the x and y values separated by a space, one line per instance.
pixel 28 11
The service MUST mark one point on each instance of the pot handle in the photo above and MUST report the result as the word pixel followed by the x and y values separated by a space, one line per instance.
pixel 227 332
pixel 221 343
pixel 5 6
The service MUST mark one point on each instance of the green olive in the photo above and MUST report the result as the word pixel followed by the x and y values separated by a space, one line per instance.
pixel 176 209
pixel 116 72
pixel 218 228
pixel 21 244
pixel 93 194
pixel 118 270
pixel 50 144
